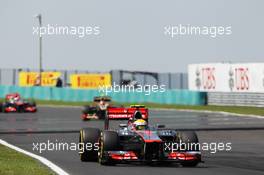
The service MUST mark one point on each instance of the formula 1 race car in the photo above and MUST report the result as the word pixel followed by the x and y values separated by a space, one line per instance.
pixel 14 103
pixel 138 142
pixel 97 110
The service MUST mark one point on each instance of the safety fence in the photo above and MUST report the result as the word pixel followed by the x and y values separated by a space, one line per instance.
pixel 236 99
pixel 182 97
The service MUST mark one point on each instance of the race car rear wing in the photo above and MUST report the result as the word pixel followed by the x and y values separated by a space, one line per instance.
pixel 122 113
pixel 103 98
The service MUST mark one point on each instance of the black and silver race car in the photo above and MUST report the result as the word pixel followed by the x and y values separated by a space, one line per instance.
pixel 97 110
pixel 153 144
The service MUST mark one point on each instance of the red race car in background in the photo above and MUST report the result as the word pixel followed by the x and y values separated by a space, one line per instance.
pixel 14 103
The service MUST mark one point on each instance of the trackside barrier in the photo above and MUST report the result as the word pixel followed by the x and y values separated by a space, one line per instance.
pixel 236 99
pixel 182 97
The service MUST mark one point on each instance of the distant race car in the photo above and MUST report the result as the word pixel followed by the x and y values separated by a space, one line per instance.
pixel 14 103
pixel 137 142
pixel 97 110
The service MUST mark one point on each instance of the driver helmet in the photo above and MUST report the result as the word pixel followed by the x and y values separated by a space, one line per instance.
pixel 102 102
pixel 11 100
pixel 140 124
pixel 16 97
pixel 103 105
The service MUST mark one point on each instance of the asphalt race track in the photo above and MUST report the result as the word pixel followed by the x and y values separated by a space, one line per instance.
pixel 62 124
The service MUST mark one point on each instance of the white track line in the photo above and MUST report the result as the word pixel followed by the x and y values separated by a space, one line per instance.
pixel 43 160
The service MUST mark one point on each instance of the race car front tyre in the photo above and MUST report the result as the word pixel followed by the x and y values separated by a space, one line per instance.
pixel 109 142
pixel 88 144
pixel 190 138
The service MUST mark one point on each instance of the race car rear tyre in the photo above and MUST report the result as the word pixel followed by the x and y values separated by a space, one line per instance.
pixel 190 138
pixel 1 107
pixel 109 142
pixel 88 144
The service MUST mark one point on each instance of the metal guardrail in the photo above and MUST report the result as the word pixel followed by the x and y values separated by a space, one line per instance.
pixel 235 99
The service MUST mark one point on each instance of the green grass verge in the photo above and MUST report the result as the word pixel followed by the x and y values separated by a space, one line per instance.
pixel 13 162
pixel 232 109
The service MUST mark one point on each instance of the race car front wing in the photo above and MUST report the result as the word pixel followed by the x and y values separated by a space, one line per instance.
pixel 130 156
